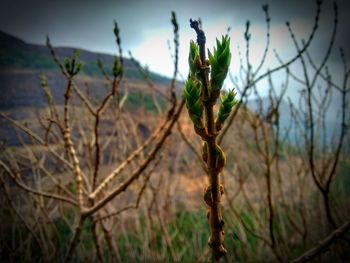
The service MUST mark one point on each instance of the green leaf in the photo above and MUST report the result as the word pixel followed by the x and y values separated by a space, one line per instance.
pixel 227 103
pixel 220 62
pixel 193 55
pixel 192 95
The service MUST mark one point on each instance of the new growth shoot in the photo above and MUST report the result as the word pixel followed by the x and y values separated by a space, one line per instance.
pixel 201 94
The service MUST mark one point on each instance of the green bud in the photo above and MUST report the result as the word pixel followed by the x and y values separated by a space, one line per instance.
pixel 192 94
pixel 220 159
pixel 193 56
pixel 43 80
pixel 220 62
pixel 73 65
pixel 117 68
pixel 227 103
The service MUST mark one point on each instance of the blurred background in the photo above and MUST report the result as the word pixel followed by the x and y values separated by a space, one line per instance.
pixel 136 192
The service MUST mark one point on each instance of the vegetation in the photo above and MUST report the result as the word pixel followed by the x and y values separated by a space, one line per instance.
pixel 102 179
pixel 16 54
pixel 201 95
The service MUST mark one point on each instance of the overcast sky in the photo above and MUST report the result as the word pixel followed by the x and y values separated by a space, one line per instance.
pixel 145 25
pixel 146 28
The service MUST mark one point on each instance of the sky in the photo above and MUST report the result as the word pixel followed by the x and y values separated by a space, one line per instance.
pixel 146 30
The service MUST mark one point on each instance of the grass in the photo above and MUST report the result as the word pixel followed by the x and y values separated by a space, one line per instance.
pixel 17 58
pixel 188 238
pixel 188 234
pixel 342 180
pixel 137 100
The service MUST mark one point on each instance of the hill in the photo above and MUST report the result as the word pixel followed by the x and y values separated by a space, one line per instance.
pixel 22 64
pixel 17 54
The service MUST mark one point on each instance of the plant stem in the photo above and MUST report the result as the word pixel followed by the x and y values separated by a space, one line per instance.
pixel 75 239
pixel 216 222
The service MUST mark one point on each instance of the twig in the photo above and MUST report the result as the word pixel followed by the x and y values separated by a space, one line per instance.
pixel 127 161
pixel 324 244
pixel 34 191
pixel 138 200
pixel 141 168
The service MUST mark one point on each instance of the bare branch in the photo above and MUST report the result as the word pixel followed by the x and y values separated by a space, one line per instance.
pixel 324 244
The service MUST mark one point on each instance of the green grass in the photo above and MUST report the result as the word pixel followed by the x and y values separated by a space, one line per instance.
pixel 342 179
pixel 137 100
pixel 188 233
pixel 18 58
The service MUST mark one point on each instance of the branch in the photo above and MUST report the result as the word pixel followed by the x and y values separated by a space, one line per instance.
pixel 323 244
pixel 34 191
pixel 138 171
pixel 21 218
pixel 253 82
pixel 68 143
pixel 131 157
pixel 139 196
pixel 37 139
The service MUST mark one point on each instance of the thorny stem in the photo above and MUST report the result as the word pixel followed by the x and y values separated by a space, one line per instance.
pixel 216 222
pixel 70 147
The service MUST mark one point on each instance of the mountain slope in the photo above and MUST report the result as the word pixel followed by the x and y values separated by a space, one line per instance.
pixel 22 64
pixel 17 54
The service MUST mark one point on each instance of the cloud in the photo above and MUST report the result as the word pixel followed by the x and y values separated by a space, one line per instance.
pixel 89 24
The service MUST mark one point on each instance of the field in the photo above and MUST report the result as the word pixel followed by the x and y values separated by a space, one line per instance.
pixel 107 162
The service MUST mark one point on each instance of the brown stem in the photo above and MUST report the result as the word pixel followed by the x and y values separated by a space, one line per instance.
pixel 109 237
pixel 17 213
pixel 215 217
pixel 102 107
pixel 323 244
pixel 70 147
pixel 138 200
pixel 16 175
pixel 75 239
pixel 216 222
pixel 135 175
pixel 128 160
pixel 326 202
pixel 94 230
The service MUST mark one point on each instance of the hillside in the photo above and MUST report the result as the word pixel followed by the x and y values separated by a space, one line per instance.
pixel 21 65
pixel 17 54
